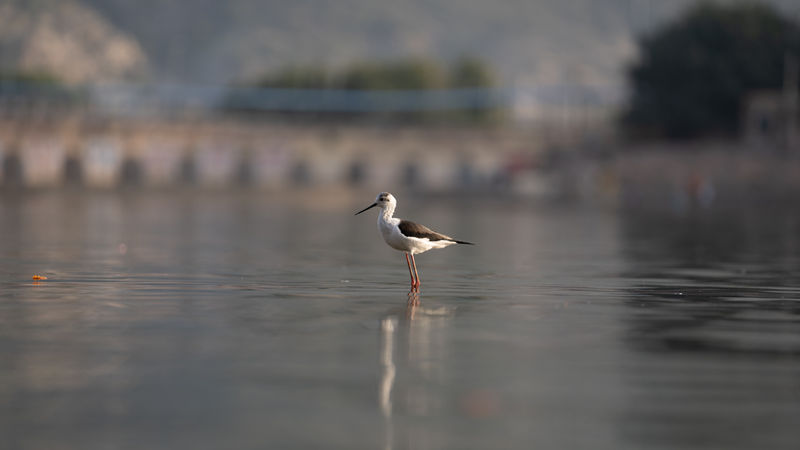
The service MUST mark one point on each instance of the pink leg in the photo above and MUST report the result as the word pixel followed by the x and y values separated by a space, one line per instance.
pixel 409 270
pixel 416 275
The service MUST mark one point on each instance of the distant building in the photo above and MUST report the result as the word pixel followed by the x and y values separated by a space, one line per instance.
pixel 771 118
pixel 770 121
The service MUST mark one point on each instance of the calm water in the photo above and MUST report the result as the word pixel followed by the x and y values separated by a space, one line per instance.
pixel 211 321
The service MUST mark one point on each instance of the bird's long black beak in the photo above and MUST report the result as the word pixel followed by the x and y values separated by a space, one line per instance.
pixel 368 207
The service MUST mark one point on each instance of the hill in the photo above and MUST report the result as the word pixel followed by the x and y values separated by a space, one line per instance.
pixel 67 40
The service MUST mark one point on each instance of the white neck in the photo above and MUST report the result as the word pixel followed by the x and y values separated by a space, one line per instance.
pixel 386 213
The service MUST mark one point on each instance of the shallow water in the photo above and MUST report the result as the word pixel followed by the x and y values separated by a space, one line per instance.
pixel 186 321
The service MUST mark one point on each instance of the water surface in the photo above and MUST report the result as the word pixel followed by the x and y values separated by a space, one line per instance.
pixel 236 320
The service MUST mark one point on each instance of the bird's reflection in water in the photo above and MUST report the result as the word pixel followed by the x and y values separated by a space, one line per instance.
pixel 388 327
pixel 388 330
pixel 421 341
pixel 412 304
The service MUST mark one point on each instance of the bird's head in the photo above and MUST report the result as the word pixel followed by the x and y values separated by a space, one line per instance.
pixel 383 200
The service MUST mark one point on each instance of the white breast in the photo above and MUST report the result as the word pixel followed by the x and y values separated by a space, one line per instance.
pixel 391 234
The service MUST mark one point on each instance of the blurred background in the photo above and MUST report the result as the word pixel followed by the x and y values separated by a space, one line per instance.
pixel 598 101
pixel 185 173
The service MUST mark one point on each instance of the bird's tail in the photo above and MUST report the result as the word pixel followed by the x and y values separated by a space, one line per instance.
pixel 463 242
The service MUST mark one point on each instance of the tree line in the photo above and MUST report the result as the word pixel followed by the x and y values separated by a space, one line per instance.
pixel 404 74
pixel 413 78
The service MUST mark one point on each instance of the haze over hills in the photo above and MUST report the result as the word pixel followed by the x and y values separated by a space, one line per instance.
pixel 208 41
pixel 240 39
pixel 67 40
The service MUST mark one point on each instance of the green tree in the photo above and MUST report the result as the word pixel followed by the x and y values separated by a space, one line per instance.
pixel 694 73
pixel 38 86
pixel 470 73
pixel 30 78
pixel 296 77
pixel 410 74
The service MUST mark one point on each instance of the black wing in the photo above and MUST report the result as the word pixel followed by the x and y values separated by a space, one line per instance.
pixel 416 230
pixel 411 229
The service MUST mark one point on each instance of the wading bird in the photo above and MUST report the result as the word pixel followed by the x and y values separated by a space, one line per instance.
pixel 406 236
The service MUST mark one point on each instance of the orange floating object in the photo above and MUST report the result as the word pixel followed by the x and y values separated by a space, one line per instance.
pixel 39 277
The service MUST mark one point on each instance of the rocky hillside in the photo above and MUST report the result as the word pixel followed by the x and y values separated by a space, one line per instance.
pixel 67 40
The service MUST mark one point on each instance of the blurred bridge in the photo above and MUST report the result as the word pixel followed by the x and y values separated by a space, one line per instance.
pixel 172 98
pixel 109 135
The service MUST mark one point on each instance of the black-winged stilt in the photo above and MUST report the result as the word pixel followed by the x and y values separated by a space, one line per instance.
pixel 406 236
